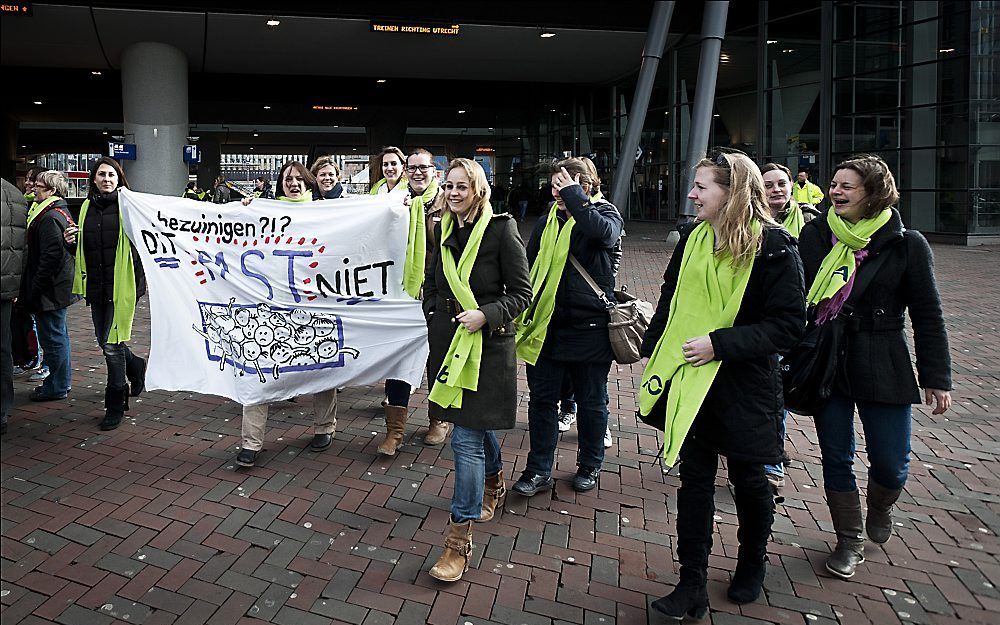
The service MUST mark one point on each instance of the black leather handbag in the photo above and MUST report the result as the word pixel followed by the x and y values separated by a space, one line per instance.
pixel 809 369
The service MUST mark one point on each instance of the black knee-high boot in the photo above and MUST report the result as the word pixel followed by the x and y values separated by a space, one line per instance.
pixel 755 511
pixel 695 511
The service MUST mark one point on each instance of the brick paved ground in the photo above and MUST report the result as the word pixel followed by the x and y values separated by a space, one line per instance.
pixel 151 523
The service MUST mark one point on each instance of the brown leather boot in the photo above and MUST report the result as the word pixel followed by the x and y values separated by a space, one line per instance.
pixel 493 495
pixel 395 421
pixel 437 432
pixel 454 562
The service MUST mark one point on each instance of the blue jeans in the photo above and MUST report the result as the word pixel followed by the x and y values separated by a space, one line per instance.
pixel 779 469
pixel 567 400
pixel 887 442
pixel 54 339
pixel 590 385
pixel 477 455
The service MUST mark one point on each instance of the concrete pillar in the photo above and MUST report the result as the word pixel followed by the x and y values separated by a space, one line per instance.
pixel 155 107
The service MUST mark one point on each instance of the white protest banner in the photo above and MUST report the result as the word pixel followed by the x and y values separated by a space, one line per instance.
pixel 276 299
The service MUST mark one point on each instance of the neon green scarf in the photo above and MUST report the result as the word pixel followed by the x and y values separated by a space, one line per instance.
pixel 383 181
pixel 794 219
pixel 708 297
pixel 30 196
pixel 460 370
pixel 546 272
pixel 416 241
pixel 122 291
pixel 308 197
pixel 37 208
pixel 840 263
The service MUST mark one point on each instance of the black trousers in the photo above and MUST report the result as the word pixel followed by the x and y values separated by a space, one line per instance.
pixel 696 509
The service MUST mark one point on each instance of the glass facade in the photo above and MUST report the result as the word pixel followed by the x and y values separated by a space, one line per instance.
pixel 75 166
pixel 811 83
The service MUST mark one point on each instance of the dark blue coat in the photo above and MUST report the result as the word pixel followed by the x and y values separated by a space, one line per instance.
pixel 578 331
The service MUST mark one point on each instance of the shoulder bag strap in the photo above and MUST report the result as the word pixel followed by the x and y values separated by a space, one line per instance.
pixel 598 291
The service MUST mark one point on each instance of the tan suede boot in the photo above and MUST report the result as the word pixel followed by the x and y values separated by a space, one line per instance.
pixel 454 562
pixel 395 421
pixel 437 432
pixel 493 495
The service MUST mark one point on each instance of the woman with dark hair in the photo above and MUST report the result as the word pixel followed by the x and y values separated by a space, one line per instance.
pixel 295 184
pixel 476 283
pixel 327 174
pixel 732 299
pixel 863 232
pixel 390 162
pixel 109 275
pixel 564 333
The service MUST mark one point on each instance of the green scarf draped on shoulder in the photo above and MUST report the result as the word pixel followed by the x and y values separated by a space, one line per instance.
pixel 708 296
pixel 839 264
pixel 460 369
pixel 794 219
pixel 383 181
pixel 305 198
pixel 416 241
pixel 532 325
pixel 37 208
pixel 123 289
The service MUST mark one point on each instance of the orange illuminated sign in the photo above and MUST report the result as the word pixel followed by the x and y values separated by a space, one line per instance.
pixel 327 107
pixel 15 8
pixel 414 28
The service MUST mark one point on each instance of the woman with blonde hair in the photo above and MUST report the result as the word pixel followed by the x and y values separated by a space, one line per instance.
pixel 731 300
pixel 476 284
pixel 863 234
pixel 784 209
pixel 391 162
pixel 326 171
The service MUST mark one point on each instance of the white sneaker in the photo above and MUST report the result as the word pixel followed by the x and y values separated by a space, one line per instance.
pixel 566 419
pixel 39 375
pixel 608 441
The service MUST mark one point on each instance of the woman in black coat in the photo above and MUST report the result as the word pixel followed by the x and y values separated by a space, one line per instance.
pixel 740 414
pixel 499 282
pixel 47 284
pixel 576 343
pixel 877 375
pixel 102 263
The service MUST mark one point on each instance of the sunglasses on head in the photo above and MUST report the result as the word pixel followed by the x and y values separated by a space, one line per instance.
pixel 717 156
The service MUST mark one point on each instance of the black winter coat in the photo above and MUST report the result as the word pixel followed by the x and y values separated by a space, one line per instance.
pixel 578 330
pixel 48 276
pixel 502 288
pixel 878 366
pixel 13 220
pixel 100 242
pixel 740 415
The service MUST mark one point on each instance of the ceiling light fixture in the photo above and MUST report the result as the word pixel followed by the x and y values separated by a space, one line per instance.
pixel 770 41
pixel 267 107
pixel 380 81
pixel 255 134
pixel 38 101
pixel 104 132
pixel 273 22
pixel 546 34
pixel 95 73
pixel 787 50
pixel 461 111
pixel 946 50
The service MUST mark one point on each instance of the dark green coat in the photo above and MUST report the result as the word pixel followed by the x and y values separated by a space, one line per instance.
pixel 502 288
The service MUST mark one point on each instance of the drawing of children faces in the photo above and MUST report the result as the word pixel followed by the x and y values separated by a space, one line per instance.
pixel 305 335
pixel 300 317
pixel 264 336
pixel 324 326
pixel 282 333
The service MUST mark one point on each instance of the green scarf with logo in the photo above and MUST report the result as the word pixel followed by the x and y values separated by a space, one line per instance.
pixel 416 241
pixel 794 219
pixel 122 291
pixel 460 370
pixel 708 296
pixel 37 208
pixel 533 324
pixel 840 263
pixel 383 181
